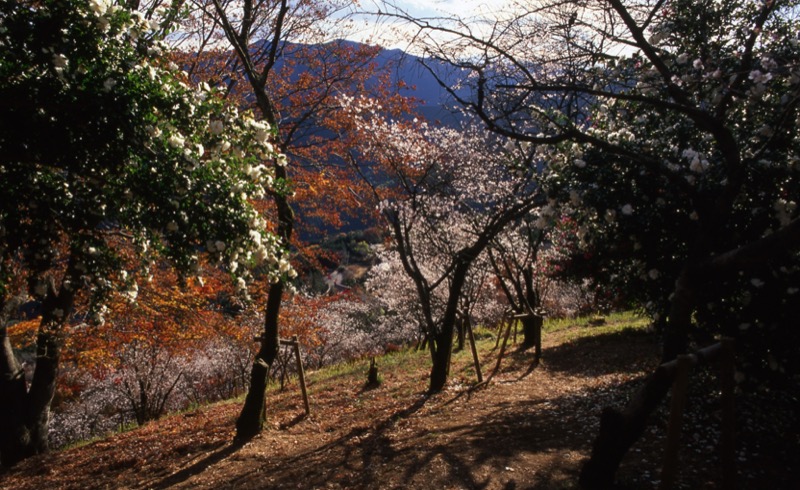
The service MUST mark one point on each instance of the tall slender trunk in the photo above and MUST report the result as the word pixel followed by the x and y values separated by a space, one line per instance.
pixel 532 325
pixel 532 334
pixel 251 419
pixel 461 332
pixel 443 339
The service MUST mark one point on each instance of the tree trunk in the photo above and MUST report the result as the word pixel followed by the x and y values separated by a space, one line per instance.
pixel 460 333
pixel 531 325
pixel 440 355
pixel 619 430
pixel 532 334
pixel 26 411
pixel 13 392
pixel 252 417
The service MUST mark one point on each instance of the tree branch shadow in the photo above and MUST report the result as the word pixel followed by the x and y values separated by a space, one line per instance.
pixel 296 420
pixel 200 466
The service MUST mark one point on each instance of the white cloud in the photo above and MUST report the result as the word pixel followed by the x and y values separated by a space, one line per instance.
pixel 370 23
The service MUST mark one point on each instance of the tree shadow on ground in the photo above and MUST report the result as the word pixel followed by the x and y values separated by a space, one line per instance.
pixel 223 452
pixel 461 451
pixel 608 353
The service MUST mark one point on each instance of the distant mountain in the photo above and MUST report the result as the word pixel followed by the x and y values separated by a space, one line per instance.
pixel 421 78
pixel 418 75
pixel 436 104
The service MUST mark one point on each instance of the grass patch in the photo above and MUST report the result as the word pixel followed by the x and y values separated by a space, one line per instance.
pixel 594 325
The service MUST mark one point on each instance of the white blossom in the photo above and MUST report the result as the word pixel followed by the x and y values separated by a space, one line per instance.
pixel 176 140
pixel 216 127
pixel 757 76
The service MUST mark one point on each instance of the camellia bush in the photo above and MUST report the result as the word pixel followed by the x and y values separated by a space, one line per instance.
pixel 109 160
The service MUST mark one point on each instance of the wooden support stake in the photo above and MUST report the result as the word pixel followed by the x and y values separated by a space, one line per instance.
pixel 670 466
pixel 474 352
pixel 511 321
pixel 301 374
pixel 728 432
pixel 514 342
pixel 503 320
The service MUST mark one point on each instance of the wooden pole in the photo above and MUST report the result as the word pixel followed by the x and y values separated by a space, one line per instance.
pixel 728 432
pixel 670 466
pixel 503 320
pixel 502 348
pixel 474 352
pixel 301 374
pixel 514 342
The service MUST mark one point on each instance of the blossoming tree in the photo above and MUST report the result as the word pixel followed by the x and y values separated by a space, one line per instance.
pixel 670 130
pixel 450 192
pixel 106 148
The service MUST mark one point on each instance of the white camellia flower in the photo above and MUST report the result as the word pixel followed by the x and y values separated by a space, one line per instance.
pixel 281 160
pixel 176 140
pixel 216 127
pixel 99 7
pixel 132 293
pixel 153 131
pixel 60 61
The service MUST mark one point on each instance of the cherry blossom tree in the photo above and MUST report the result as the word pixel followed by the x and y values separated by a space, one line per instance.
pixel 451 192
pixel 513 257
pixel 670 133
pixel 106 150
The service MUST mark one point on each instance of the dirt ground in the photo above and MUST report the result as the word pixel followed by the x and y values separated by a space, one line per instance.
pixel 530 427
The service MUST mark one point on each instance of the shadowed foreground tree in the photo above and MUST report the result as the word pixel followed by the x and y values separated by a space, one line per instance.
pixel 671 133
pixel 106 150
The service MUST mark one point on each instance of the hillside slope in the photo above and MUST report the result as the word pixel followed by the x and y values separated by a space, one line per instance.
pixel 531 427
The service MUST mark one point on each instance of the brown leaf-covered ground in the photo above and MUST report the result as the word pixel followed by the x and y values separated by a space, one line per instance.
pixel 530 427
